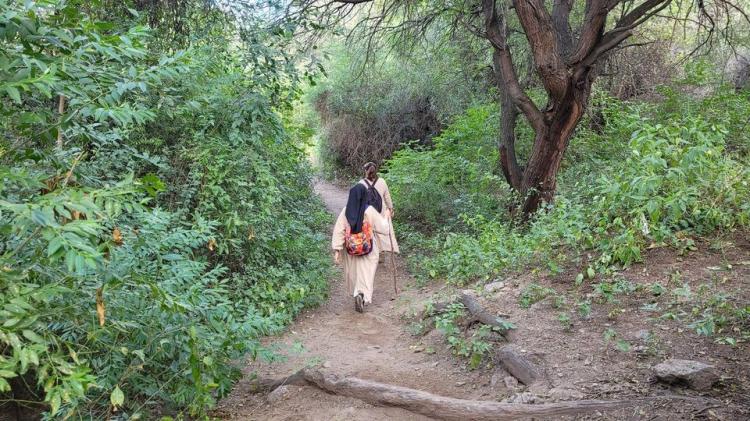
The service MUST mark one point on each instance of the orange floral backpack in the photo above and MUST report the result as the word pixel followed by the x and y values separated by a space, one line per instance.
pixel 359 244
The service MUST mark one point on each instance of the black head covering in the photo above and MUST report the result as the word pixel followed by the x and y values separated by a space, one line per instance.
pixel 356 206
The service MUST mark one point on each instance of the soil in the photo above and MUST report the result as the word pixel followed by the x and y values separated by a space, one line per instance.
pixel 579 362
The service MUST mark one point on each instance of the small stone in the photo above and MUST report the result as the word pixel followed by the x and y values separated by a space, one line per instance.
pixel 459 384
pixel 496 377
pixel 278 394
pixel 327 364
pixel 524 397
pixel 494 286
pixel 510 382
pixel 643 334
pixel 693 374
pixel 435 364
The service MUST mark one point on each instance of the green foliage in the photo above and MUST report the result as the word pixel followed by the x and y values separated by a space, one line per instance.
pixel 172 227
pixel 454 177
pixel 534 293
pixel 475 347
pixel 668 182
pixel 376 100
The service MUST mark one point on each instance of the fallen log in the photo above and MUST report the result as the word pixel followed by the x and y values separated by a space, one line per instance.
pixel 442 407
pixel 480 314
pixel 477 313
pixel 519 366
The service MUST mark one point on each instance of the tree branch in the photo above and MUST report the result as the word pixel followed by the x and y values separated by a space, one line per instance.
pixel 561 21
pixel 540 32
pixel 494 24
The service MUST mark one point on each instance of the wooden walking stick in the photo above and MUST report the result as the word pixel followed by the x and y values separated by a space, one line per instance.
pixel 393 259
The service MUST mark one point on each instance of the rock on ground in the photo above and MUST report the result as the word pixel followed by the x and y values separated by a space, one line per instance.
pixel 525 398
pixel 494 286
pixel 278 394
pixel 694 374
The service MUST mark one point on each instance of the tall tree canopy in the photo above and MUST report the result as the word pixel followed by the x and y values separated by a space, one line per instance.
pixel 566 41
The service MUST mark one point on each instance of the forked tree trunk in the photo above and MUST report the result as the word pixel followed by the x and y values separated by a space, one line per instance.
pixel 539 177
pixel 537 181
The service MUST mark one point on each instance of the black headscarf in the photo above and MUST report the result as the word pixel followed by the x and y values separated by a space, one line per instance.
pixel 356 206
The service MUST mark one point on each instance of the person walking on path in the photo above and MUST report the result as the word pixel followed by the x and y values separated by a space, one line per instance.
pixel 372 179
pixel 359 270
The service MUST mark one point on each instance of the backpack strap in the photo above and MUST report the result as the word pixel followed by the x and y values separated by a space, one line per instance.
pixel 367 184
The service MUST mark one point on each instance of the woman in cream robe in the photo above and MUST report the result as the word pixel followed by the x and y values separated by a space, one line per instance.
pixel 385 243
pixel 371 175
pixel 359 271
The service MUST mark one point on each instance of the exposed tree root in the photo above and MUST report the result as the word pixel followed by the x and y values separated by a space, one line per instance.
pixel 440 407
pixel 519 366
pixel 477 313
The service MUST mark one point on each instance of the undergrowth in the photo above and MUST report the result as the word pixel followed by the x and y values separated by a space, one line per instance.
pixel 153 230
pixel 668 179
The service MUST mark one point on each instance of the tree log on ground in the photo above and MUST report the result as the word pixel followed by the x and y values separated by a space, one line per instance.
pixel 442 407
pixel 519 366
pixel 477 313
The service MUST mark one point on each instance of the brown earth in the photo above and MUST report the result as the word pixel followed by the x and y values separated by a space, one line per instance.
pixel 579 362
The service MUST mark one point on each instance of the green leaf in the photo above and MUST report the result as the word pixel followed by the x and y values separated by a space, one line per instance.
pixel 623 345
pixel 117 397
pixel 55 403
pixel 13 93
pixel 590 272
pixel 579 279
pixel 11 322
pixel 32 336
pixel 7 374
pixel 54 246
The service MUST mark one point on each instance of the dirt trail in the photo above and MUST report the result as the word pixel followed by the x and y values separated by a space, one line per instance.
pixel 580 362
pixel 374 345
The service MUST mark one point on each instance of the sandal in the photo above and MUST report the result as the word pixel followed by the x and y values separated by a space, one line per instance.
pixel 359 304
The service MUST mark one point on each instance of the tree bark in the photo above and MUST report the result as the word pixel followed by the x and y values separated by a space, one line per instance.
pixel 519 366
pixel 540 175
pixel 476 313
pixel 442 407
pixel 508 117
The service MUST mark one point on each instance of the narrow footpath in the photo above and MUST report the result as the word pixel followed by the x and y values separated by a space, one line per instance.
pixel 375 346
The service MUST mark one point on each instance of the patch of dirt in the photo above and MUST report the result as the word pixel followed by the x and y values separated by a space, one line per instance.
pixel 648 328
pixel 579 362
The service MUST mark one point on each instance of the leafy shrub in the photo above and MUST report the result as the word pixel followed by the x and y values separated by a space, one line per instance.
pixel 668 182
pixel 376 100
pixel 435 185
pixel 153 231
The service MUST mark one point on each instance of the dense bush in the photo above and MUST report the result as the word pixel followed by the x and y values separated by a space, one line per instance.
pixel 154 229
pixel 370 106
pixel 640 183
pixel 435 185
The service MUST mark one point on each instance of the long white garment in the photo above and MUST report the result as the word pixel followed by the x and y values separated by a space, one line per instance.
pixel 359 271
pixel 385 244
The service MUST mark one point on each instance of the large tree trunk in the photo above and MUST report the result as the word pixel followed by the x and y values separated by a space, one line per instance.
pixel 540 175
